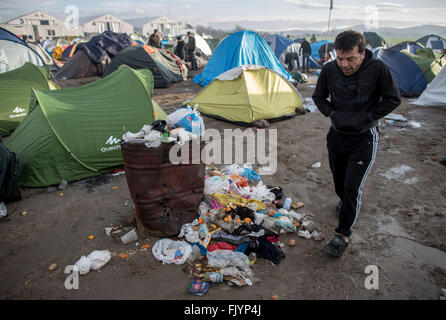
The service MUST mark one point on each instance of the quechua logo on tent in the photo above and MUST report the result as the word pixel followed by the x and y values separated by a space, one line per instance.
pixel 17 112
pixel 114 144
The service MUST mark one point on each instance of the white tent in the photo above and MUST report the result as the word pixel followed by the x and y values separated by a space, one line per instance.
pixel 435 92
pixel 202 45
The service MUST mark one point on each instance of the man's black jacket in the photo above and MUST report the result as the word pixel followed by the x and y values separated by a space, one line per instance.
pixel 357 101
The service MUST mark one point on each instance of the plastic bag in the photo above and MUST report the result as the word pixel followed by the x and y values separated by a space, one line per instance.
pixel 189 233
pixel 170 251
pixel 187 118
pixel 232 169
pixel 250 174
pixel 153 139
pixel 285 223
pixel 215 184
pixel 98 259
pixel 83 265
pixel 226 258
pixel 238 277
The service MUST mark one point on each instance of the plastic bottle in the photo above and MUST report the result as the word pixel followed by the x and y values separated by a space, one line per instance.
pixel 252 258
pixel 287 204
pixel 213 277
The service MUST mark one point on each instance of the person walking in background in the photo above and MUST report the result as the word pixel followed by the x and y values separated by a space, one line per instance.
pixel 155 39
pixel 180 49
pixel 361 90
pixel 191 47
pixel 305 51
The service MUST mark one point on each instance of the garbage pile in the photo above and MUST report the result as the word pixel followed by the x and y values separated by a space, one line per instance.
pixel 239 220
pixel 180 126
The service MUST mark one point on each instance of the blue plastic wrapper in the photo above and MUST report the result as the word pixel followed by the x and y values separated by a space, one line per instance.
pixel 198 287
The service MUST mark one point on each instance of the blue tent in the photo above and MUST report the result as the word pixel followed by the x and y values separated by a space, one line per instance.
pixel 315 48
pixel 410 46
pixel 409 77
pixel 14 52
pixel 240 48
pixel 278 43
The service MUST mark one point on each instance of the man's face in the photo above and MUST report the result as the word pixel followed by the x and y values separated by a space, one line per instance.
pixel 349 61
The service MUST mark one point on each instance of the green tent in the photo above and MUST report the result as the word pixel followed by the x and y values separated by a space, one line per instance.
pixel 15 93
pixel 429 61
pixel 248 93
pixel 74 133
pixel 165 66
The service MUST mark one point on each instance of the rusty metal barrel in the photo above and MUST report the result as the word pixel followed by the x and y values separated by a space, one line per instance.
pixel 165 195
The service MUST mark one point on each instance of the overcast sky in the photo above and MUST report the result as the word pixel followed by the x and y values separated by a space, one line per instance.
pixel 196 12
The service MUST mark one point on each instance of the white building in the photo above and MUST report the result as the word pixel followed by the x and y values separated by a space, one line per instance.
pixel 94 26
pixel 39 24
pixel 165 26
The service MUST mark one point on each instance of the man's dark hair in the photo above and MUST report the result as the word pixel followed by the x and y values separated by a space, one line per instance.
pixel 155 31
pixel 347 40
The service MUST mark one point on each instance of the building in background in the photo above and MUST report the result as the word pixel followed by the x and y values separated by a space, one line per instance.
pixel 165 26
pixel 93 26
pixel 39 25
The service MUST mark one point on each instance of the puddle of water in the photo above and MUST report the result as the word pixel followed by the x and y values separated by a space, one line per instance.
pixel 427 255
pixel 397 172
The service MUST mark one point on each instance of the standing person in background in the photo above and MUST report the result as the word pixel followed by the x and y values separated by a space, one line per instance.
pixel 180 49
pixel 155 39
pixel 355 91
pixel 191 47
pixel 305 51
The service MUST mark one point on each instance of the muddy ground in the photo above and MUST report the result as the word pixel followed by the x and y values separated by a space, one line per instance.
pixel 401 227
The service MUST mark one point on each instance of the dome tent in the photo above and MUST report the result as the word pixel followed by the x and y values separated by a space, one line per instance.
pixel 74 133
pixel 248 93
pixel 164 65
pixel 14 52
pixel 15 93
pixel 409 77
pixel 240 48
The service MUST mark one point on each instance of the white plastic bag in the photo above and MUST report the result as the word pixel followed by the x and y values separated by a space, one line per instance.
pixel 83 265
pixel 170 251
pixel 227 258
pixel 215 184
pixel 188 118
pixel 98 259
pixel 153 139
pixel 189 233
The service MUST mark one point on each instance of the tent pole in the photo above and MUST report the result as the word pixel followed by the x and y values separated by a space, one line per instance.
pixel 328 28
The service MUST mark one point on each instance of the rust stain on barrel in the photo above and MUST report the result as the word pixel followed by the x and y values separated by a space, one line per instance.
pixel 166 195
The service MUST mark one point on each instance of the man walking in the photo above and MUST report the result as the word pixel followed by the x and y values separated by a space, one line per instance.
pixel 361 90
pixel 191 47
pixel 305 51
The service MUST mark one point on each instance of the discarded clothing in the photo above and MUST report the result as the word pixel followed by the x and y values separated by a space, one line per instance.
pixel 269 251
pixel 221 246
pixel 223 236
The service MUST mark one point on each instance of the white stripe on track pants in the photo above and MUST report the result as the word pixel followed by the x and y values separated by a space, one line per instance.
pixel 351 159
